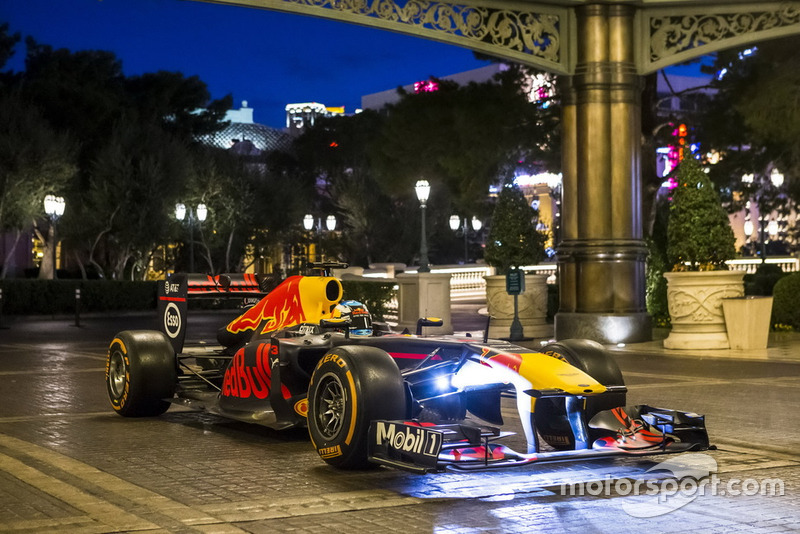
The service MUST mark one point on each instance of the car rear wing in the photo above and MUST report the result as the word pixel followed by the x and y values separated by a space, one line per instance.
pixel 178 288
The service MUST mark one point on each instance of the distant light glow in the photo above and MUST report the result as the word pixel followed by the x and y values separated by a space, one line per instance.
pixel 550 179
pixel 455 222
pixel 426 86
pixel 670 183
pixel 180 211
pixel 772 228
pixel 330 223
pixel 540 87
pixel 776 177
pixel 423 191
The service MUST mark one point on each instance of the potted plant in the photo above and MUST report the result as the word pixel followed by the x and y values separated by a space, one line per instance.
pixel 514 242
pixel 699 242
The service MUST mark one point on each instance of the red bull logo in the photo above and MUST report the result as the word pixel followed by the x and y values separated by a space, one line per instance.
pixel 246 381
pixel 280 309
pixel 297 300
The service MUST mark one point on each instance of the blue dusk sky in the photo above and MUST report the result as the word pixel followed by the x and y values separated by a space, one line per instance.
pixel 268 58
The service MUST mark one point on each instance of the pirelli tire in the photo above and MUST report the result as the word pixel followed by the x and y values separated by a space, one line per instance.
pixel 141 373
pixel 350 387
pixel 592 358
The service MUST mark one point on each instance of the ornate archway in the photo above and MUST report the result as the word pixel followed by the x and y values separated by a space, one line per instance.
pixel 604 47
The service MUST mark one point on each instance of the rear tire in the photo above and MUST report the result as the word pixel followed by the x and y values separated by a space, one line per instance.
pixel 350 387
pixel 141 373
pixel 591 358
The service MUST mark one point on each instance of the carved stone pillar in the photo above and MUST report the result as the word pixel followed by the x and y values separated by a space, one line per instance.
pixel 601 260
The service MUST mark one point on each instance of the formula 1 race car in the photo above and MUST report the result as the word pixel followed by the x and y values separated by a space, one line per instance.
pixel 302 357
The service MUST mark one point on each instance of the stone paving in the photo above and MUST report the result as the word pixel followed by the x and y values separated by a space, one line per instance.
pixel 67 463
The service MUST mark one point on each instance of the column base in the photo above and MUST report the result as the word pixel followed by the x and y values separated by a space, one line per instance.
pixel 604 328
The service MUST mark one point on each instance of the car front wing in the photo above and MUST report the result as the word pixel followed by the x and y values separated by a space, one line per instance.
pixel 632 431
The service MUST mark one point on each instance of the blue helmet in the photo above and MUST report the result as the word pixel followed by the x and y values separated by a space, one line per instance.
pixel 360 318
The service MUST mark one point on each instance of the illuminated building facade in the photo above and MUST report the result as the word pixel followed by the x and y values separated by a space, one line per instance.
pixel 305 114
pixel 258 138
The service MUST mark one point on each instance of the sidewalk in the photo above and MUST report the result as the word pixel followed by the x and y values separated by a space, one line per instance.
pixel 782 346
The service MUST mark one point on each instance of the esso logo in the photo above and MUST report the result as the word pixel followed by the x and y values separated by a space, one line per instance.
pixel 172 320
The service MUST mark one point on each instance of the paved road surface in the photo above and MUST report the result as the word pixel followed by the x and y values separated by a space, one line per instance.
pixel 67 463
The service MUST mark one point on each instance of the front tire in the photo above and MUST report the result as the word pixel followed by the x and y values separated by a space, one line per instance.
pixel 591 358
pixel 141 373
pixel 350 387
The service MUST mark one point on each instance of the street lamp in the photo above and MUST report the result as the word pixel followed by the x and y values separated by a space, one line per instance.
pixel 201 213
pixel 54 208
pixel 766 190
pixel 776 177
pixel 457 224
pixel 308 224
pixel 423 190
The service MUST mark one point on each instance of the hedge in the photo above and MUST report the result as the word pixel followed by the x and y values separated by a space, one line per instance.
pixel 376 295
pixel 57 297
pixel 764 280
pixel 785 308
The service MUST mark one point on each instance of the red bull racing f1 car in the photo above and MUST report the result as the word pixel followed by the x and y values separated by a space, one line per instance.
pixel 302 357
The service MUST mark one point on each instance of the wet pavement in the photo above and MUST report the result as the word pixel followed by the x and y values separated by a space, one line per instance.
pixel 68 463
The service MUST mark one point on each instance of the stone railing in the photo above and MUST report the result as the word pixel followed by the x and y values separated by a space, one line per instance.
pixel 467 281
pixel 749 265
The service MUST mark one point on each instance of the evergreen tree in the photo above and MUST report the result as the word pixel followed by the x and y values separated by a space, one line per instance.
pixel 698 231
pixel 513 238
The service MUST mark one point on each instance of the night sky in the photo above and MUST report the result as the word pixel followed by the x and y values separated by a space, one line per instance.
pixel 268 58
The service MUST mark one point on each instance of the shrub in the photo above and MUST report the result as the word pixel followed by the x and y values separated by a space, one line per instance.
pixel 32 297
pixel 785 308
pixel 698 233
pixel 376 295
pixel 513 239
pixel 764 280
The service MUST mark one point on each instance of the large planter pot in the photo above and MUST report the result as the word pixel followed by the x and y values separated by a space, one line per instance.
pixel 747 320
pixel 695 307
pixel 532 307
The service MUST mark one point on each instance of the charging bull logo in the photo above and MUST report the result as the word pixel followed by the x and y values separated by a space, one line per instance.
pixel 297 300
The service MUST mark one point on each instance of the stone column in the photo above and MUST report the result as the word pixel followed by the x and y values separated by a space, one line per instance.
pixel 424 295
pixel 601 259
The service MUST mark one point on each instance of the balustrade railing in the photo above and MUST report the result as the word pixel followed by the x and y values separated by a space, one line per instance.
pixel 467 281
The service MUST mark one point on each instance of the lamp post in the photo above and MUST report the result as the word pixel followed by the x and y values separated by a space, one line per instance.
pixel 54 208
pixel 456 224
pixel 200 215
pixel 308 224
pixel 423 191
pixel 766 191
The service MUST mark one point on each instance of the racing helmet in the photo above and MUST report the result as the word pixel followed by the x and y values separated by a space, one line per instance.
pixel 360 318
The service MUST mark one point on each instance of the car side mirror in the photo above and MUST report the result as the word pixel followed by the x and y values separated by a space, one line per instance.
pixel 428 321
